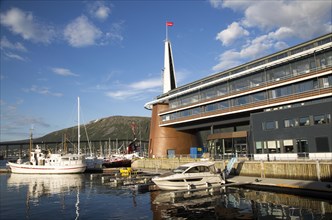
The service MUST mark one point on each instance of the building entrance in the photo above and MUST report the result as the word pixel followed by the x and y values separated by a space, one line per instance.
pixel 228 145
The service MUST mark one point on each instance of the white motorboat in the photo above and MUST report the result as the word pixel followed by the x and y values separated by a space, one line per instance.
pixel 45 162
pixel 190 176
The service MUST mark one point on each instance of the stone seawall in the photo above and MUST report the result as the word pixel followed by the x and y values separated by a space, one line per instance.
pixel 302 170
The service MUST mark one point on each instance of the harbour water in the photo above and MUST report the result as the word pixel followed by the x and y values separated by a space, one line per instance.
pixel 82 197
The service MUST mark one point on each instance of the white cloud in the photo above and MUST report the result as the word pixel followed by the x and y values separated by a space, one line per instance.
pixel 12 122
pixel 146 84
pixel 27 26
pixel 144 89
pixel 227 60
pixel 99 10
pixel 14 56
pixel 258 47
pixel 121 94
pixel 237 5
pixel 233 32
pixel 305 18
pixel 81 32
pixel 63 72
pixel 115 33
pixel 266 26
pixel 5 43
pixel 137 90
pixel 42 91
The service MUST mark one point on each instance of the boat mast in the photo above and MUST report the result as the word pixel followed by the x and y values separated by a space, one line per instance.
pixel 30 146
pixel 78 126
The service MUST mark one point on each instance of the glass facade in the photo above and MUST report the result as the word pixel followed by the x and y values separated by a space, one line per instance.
pixel 295 81
pixel 228 94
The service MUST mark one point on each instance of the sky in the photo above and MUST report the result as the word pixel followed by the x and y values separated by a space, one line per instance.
pixel 110 53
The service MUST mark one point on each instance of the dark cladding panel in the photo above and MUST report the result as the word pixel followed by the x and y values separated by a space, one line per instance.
pixel 295 124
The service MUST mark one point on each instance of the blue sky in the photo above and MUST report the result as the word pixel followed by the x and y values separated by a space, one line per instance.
pixel 110 53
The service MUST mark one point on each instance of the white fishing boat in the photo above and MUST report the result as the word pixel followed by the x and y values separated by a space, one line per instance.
pixel 190 176
pixel 45 162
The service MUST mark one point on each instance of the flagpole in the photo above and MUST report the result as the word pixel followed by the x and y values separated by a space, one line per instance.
pixel 166 31
pixel 168 23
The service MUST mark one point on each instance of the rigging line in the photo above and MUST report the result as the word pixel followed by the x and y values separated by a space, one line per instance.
pixel 86 131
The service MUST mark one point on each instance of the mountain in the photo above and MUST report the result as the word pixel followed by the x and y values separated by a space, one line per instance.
pixel 114 127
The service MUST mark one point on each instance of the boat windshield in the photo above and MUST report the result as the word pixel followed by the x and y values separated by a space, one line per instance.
pixel 180 169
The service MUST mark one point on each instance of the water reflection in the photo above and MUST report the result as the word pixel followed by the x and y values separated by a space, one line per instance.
pixel 83 197
pixel 236 203
pixel 47 186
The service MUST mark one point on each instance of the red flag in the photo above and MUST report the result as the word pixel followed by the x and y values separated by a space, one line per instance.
pixel 169 23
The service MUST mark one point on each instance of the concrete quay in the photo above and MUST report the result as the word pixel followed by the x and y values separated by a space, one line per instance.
pixel 311 178
pixel 4 170
pixel 292 186
pixel 297 170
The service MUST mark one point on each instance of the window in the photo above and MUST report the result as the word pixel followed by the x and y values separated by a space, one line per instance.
pixel 259 147
pixel 196 110
pixel 241 100
pixel 273 146
pixel 186 113
pixel 326 81
pixel 270 125
pixel 209 93
pixel 258 96
pixel 304 86
pixel 211 107
pixel 288 123
pixel 328 118
pixel 240 84
pixel 278 73
pixel 288 146
pixel 319 119
pixel 304 121
pixel 224 104
pixel 256 79
pixel 222 89
pixel 174 115
pixel 302 145
pixel 279 92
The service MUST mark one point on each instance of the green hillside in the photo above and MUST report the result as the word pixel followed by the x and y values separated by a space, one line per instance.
pixel 114 127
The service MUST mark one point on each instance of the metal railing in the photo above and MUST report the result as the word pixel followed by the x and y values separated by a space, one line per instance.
pixel 300 156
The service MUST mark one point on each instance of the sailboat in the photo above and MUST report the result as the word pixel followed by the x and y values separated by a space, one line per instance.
pixel 45 162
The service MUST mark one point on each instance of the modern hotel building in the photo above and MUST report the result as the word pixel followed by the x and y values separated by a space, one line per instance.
pixel 274 107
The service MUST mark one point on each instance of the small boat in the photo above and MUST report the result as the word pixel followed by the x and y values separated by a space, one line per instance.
pixel 45 162
pixel 113 162
pixel 190 176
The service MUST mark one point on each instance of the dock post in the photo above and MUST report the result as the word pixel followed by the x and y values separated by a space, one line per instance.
pixel 215 190
pixel 118 182
pixel 262 169
pixel 208 186
pixel 318 170
pixel 176 195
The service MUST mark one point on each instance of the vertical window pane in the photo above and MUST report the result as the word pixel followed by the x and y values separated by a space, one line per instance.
pixel 319 119
pixel 304 121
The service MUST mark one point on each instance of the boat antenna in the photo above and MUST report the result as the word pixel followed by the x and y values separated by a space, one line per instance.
pixel 31 129
pixel 78 126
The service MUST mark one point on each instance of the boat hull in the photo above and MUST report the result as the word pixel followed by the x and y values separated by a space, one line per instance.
pixel 35 169
pixel 194 175
pixel 119 163
pixel 184 184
